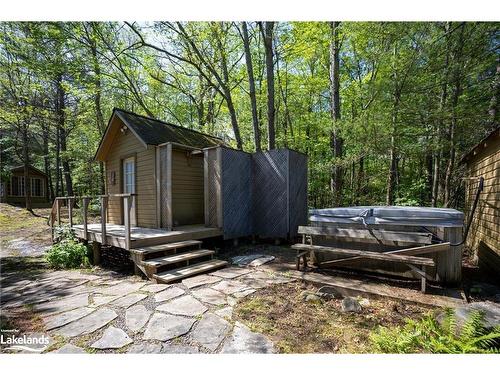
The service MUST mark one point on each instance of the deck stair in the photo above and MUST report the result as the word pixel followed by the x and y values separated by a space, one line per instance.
pixel 174 261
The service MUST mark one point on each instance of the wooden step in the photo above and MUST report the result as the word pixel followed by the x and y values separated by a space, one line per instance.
pixel 164 247
pixel 181 273
pixel 176 258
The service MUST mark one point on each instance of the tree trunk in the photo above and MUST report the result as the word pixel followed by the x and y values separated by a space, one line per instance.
pixel 61 106
pixel 457 91
pixel 251 84
pixel 493 107
pixel 26 162
pixel 49 191
pixel 336 141
pixel 267 33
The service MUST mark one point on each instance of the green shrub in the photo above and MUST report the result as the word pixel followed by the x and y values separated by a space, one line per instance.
pixel 67 252
pixel 427 335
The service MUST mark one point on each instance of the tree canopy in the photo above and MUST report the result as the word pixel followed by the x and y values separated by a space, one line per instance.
pixel 384 110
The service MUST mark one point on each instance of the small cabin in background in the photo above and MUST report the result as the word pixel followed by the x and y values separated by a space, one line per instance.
pixel 484 236
pixel 13 191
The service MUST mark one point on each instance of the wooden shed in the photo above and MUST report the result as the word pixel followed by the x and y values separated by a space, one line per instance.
pixel 484 236
pixel 13 191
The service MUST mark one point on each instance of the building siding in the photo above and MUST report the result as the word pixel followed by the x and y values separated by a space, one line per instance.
pixel 123 146
pixel 484 235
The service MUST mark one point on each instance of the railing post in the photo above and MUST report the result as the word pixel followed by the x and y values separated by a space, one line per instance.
pixel 70 211
pixel 127 205
pixel 104 205
pixel 58 205
pixel 85 209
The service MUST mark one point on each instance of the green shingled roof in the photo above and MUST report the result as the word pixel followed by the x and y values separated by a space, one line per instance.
pixel 155 132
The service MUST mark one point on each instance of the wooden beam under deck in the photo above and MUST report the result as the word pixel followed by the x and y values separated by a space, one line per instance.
pixel 140 237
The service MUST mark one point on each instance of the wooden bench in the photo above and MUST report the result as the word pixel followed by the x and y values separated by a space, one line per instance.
pixel 404 256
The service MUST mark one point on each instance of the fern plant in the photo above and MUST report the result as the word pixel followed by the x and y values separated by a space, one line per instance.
pixel 427 335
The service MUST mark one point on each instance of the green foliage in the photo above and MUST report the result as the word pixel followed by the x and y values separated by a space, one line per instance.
pixel 67 252
pixel 429 336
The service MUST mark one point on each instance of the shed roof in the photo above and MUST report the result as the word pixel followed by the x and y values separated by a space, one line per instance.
pixel 483 143
pixel 151 131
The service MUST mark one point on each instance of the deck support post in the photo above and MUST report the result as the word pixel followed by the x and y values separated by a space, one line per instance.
pixel 96 253
pixel 85 214
pixel 127 206
pixel 70 211
pixel 104 206
pixel 58 206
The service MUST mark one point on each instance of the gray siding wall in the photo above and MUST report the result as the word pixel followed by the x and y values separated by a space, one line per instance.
pixel 236 193
pixel 264 193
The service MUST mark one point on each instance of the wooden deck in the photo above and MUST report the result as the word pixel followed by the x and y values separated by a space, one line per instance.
pixel 115 234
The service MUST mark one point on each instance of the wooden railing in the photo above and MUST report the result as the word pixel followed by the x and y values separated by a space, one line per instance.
pixel 128 200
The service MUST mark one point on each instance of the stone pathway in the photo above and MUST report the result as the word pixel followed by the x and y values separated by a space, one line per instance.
pixel 108 314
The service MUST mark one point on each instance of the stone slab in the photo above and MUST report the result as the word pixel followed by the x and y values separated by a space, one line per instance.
pixel 226 312
pixel 165 327
pixel 168 294
pixel 69 349
pixel 145 348
pixel 211 296
pixel 230 286
pixel 242 340
pixel 231 272
pixel 136 317
pixel 56 321
pixel 61 305
pixel 185 305
pixel 200 280
pixel 154 288
pixel 128 300
pixel 210 331
pixel 87 324
pixel 113 338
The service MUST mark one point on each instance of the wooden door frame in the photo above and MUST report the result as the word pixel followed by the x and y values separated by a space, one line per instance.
pixel 122 211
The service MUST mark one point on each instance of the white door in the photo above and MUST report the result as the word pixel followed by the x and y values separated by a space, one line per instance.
pixel 129 185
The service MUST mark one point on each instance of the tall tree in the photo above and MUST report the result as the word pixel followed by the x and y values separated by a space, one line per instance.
pixel 251 85
pixel 336 141
pixel 267 34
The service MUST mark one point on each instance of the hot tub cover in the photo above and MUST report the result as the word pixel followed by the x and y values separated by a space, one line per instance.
pixel 393 215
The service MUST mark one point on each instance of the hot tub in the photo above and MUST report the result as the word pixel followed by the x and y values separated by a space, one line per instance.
pixel 446 224
pixel 389 215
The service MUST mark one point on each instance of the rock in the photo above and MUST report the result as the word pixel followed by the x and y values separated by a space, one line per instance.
pixel 312 298
pixel 168 294
pixel 226 312
pixel 210 296
pixel 113 338
pixel 87 324
pixel 145 348
pixel 128 300
pixel 231 301
pixel 364 302
pixel 262 260
pixel 242 340
pixel 328 292
pixel 69 349
pixel 166 327
pixel 231 272
pixel 200 280
pixel 99 300
pixel 210 331
pixel 185 305
pixel 55 321
pixel 154 288
pixel 136 317
pixel 230 286
pixel 244 293
pixel 491 313
pixel 179 349
pixel 350 304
